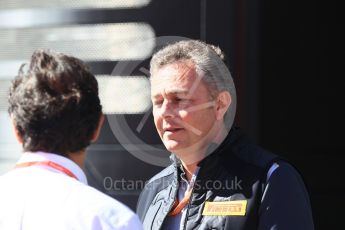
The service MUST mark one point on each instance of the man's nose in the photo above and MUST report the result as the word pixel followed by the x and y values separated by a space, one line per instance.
pixel 167 109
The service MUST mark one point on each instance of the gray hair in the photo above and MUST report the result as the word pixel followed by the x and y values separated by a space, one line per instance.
pixel 208 61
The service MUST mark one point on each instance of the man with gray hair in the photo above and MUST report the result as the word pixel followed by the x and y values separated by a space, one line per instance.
pixel 217 179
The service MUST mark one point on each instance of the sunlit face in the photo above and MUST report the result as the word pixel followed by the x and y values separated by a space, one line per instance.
pixel 183 108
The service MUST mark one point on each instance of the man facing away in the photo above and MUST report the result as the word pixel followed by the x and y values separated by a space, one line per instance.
pixel 217 179
pixel 56 114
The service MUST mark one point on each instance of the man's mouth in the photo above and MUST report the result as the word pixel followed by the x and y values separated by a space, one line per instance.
pixel 172 130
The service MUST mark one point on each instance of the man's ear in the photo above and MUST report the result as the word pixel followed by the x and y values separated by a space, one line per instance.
pixel 98 129
pixel 223 103
pixel 15 130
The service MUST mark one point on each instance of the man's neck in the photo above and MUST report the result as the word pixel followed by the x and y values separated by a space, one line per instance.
pixel 190 170
pixel 191 159
pixel 78 158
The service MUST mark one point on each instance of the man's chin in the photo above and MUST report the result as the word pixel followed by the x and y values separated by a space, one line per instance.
pixel 173 145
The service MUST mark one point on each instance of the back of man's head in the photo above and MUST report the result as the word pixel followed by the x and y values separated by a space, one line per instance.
pixel 54 104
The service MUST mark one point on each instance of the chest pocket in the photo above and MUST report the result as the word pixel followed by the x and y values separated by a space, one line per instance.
pixel 226 211
pixel 213 222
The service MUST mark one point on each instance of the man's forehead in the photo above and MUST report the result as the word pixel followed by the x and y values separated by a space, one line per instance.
pixel 176 78
pixel 172 83
pixel 157 91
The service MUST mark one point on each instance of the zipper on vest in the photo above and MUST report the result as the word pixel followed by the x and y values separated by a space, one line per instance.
pixel 187 210
pixel 192 182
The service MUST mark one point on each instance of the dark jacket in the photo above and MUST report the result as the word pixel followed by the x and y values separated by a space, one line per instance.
pixel 240 169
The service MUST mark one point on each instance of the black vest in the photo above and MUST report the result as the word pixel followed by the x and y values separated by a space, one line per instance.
pixel 235 171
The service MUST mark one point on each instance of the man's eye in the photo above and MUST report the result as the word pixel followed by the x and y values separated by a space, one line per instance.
pixel 158 102
pixel 181 100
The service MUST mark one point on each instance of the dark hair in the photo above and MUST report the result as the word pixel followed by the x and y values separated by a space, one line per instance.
pixel 55 103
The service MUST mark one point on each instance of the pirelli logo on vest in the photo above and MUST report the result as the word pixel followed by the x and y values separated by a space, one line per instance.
pixel 225 208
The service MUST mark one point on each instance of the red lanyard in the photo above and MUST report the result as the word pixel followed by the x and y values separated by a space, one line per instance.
pixel 50 164
pixel 179 205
